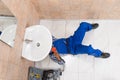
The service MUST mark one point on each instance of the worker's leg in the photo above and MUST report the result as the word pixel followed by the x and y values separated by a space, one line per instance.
pixel 78 36
pixel 80 32
pixel 82 49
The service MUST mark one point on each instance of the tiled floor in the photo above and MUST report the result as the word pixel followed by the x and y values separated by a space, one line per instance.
pixel 84 67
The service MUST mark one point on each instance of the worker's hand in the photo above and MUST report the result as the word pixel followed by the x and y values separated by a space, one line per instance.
pixel 54 50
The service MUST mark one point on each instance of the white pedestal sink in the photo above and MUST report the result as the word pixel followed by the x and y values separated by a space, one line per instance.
pixel 37 43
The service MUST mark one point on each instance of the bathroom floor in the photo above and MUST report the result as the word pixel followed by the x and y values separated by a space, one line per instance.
pixel 84 67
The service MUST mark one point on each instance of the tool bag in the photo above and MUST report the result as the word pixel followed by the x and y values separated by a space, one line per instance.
pixel 40 74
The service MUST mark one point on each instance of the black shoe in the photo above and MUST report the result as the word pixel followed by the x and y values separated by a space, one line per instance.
pixel 95 25
pixel 105 55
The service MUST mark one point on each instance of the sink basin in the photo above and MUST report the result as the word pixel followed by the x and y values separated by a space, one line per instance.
pixel 8 35
pixel 37 43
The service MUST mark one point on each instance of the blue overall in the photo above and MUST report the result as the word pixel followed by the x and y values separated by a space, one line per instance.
pixel 73 44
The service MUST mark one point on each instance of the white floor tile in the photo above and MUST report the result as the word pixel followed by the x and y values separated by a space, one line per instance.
pixel 71 76
pixel 71 63
pixel 58 28
pixel 109 69
pixel 101 39
pixel 47 23
pixel 89 38
pixel 47 63
pixel 86 76
pixel 86 63
pixel 71 26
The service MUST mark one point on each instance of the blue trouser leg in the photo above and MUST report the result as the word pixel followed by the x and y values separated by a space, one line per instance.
pixel 82 49
pixel 80 32
pixel 77 41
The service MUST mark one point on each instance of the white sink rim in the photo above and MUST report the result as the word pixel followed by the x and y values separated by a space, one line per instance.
pixel 32 42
